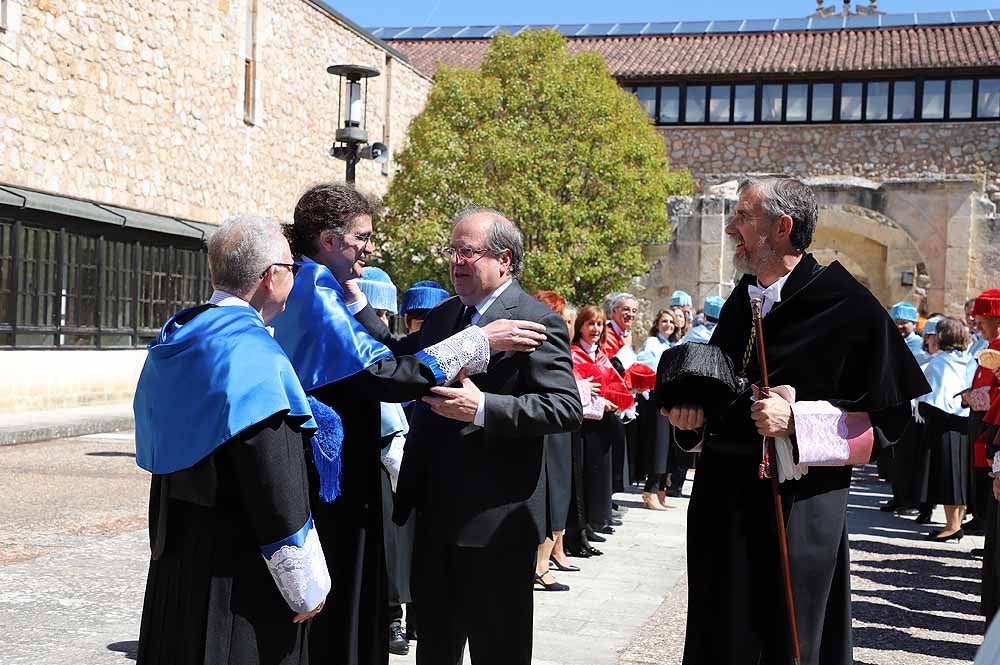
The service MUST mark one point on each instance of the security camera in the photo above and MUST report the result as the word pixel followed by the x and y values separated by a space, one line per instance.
pixel 378 152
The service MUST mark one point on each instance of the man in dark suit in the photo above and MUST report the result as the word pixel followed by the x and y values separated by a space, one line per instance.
pixel 474 462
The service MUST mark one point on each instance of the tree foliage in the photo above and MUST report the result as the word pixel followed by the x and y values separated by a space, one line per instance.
pixel 552 141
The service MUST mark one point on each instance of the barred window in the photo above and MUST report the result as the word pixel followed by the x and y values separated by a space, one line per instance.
pixel 69 285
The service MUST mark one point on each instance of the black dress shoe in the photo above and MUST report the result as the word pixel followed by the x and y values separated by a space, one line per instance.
pixel 594 537
pixel 618 507
pixel 907 512
pixel 397 640
pixel 674 492
pixel 606 529
pixel 615 522
pixel 923 518
pixel 938 538
pixel 563 569
pixel 542 585
pixel 580 552
pixel 889 507
pixel 594 551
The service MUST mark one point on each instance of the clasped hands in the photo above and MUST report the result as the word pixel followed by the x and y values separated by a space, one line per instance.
pixel 772 415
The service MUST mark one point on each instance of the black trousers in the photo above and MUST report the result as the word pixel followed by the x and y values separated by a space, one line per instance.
pixel 479 594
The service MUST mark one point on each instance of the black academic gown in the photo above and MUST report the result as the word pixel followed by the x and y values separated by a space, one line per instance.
pixel 209 595
pixel 353 629
pixel 831 340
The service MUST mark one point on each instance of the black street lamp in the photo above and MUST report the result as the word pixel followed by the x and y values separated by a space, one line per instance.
pixel 351 140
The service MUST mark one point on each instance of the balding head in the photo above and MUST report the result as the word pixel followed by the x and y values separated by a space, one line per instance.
pixel 241 250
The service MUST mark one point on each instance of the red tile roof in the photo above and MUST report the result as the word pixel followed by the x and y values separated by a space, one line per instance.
pixel 657 57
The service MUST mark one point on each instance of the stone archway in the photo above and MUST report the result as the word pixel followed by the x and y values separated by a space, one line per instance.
pixel 872 247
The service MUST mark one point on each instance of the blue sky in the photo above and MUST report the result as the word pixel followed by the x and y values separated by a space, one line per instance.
pixel 373 13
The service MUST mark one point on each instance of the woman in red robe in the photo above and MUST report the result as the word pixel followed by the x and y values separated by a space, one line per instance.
pixel 602 428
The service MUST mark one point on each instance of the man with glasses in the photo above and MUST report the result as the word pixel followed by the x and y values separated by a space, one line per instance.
pixel 474 462
pixel 344 367
pixel 236 566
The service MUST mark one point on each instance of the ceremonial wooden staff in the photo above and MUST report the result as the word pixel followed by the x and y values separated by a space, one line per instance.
pixel 779 513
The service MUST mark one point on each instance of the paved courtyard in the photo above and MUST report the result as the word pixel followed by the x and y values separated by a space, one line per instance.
pixel 73 556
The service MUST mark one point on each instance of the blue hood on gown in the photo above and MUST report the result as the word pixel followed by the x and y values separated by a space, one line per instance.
pixel 206 380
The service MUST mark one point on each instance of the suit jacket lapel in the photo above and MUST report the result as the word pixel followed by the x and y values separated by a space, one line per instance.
pixel 508 300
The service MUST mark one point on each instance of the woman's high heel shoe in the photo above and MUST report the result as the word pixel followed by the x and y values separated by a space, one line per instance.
pixel 563 569
pixel 936 536
pixel 549 586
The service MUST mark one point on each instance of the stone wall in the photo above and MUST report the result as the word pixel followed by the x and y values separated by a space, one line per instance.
pixel 140 104
pixel 877 152
pixel 39 380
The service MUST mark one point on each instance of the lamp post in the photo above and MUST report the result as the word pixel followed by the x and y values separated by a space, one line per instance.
pixel 351 140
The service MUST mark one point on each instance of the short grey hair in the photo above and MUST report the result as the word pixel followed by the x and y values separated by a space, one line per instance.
pixel 616 299
pixel 503 235
pixel 241 249
pixel 787 196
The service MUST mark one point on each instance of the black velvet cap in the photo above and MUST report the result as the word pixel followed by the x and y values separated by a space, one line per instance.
pixel 697 375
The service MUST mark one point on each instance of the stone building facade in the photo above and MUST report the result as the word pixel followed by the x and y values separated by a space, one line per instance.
pixel 894 120
pixel 129 128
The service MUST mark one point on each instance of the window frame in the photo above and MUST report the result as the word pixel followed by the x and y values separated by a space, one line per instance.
pixel 18 330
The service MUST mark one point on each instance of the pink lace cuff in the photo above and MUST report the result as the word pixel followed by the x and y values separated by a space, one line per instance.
pixel 827 436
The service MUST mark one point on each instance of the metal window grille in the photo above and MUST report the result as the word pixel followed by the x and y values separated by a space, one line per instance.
pixel 69 286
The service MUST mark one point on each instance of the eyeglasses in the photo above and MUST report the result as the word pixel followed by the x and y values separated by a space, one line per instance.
pixel 465 253
pixel 363 237
pixel 292 268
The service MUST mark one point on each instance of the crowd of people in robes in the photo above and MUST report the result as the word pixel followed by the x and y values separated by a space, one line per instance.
pixel 948 454
pixel 335 472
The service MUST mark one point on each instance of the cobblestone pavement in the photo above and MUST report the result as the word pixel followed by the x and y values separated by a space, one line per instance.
pixel 74 552
pixel 914 602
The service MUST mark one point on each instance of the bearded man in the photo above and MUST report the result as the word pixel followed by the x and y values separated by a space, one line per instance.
pixel 831 378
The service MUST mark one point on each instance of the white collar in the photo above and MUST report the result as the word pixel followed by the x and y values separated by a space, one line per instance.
pixel 769 296
pixel 618 329
pixel 485 303
pixel 591 349
pixel 222 298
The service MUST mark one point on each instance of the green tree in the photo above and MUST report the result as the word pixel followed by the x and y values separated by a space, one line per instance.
pixel 551 140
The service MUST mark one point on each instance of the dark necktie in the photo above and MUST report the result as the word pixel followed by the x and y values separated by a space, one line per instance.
pixel 465 320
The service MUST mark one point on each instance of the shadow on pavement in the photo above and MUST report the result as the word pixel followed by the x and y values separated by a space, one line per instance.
pixel 924 567
pixel 130 649
pixel 110 453
pixel 921 580
pixel 920 600
pixel 894 616
pixel 898 640
pixel 891 548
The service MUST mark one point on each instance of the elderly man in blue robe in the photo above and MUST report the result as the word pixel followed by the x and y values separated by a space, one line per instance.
pixel 221 422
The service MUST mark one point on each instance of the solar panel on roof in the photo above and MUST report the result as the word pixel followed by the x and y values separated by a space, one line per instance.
pixel 445 33
pixel 832 23
pixel 898 20
pixel 933 18
pixel 972 16
pixel 511 29
pixel 419 33
pixel 570 29
pixel 597 29
pixel 476 31
pixel 785 24
pixel 661 28
pixel 375 31
pixel 692 27
pixel 758 25
pixel 391 33
pixel 628 29
pixel 862 22
pixel 725 26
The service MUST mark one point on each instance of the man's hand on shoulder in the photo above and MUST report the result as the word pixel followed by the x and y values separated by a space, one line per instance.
pixel 514 335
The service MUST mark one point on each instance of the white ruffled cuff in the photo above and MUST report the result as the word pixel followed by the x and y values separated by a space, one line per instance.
pixel 468 350
pixel 996 462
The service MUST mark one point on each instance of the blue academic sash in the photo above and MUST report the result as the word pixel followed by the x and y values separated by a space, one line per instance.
pixel 205 381
pixel 324 342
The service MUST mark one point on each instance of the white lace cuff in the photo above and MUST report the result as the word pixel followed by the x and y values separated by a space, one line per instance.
pixel 468 349
pixel 299 568
pixel 827 436
pixel 996 462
